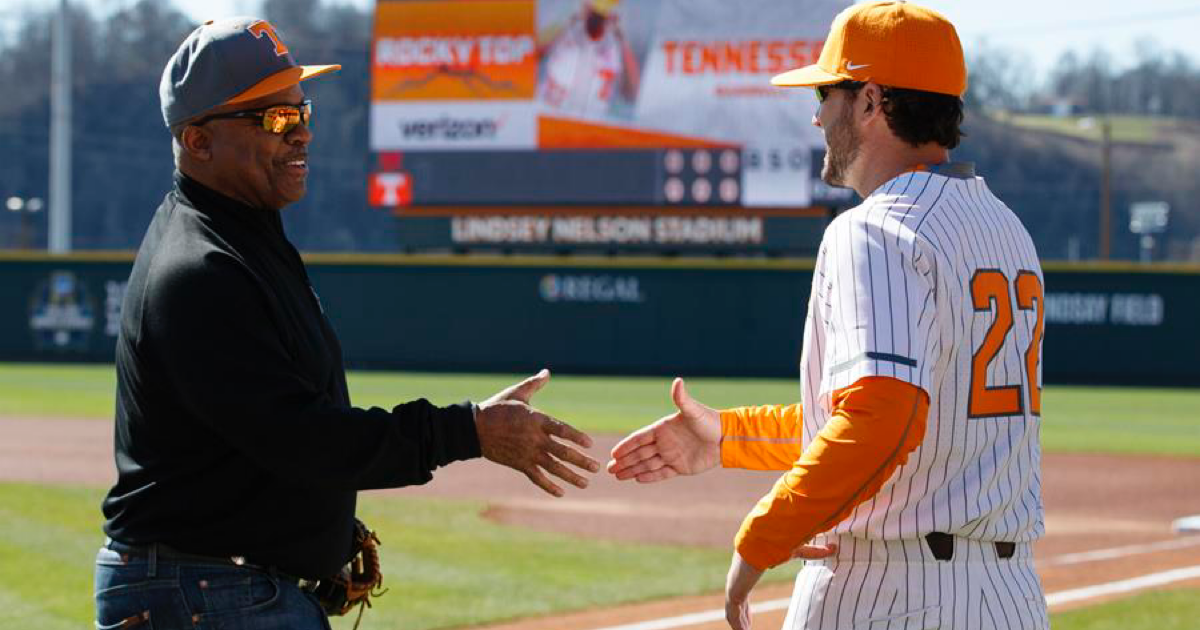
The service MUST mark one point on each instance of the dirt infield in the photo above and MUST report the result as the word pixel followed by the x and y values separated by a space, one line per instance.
pixel 1093 502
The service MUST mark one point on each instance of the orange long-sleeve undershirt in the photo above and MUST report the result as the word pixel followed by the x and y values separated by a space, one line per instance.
pixel 876 423
pixel 761 438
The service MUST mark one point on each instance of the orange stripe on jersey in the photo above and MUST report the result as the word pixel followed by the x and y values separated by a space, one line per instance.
pixel 876 423
pixel 761 438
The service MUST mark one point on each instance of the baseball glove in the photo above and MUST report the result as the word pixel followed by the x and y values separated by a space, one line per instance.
pixel 357 582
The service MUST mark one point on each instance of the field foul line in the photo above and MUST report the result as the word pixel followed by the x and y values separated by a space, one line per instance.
pixel 1119 552
pixel 1053 599
pixel 1123 586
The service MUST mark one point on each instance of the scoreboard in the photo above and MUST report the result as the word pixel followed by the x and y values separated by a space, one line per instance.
pixel 620 125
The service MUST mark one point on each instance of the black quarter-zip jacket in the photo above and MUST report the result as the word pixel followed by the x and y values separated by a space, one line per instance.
pixel 235 435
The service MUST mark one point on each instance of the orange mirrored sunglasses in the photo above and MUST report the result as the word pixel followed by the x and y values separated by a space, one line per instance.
pixel 277 119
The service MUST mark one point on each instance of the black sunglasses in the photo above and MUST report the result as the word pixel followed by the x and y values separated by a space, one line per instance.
pixel 277 119
pixel 823 90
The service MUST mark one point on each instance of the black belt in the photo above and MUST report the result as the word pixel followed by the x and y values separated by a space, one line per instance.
pixel 941 545
pixel 165 552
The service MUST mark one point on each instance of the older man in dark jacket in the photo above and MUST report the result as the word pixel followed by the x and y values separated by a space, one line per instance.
pixel 238 452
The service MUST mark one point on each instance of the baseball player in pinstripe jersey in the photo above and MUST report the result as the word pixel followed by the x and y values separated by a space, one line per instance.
pixel 913 460
pixel 588 63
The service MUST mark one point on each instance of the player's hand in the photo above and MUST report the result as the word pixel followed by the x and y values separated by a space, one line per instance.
pixel 516 435
pixel 738 584
pixel 814 552
pixel 686 442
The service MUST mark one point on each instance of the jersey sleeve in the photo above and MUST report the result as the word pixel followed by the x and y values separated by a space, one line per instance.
pixel 876 424
pixel 766 437
pixel 878 299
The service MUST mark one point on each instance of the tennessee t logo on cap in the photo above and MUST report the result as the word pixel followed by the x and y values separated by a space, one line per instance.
pixel 228 61
pixel 263 27
pixel 894 43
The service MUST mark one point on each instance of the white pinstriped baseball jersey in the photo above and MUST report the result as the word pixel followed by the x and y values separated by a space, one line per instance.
pixel 582 74
pixel 934 281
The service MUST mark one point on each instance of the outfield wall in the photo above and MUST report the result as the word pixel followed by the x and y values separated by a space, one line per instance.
pixel 1111 324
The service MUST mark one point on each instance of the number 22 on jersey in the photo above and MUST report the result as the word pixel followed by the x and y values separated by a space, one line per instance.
pixel 989 291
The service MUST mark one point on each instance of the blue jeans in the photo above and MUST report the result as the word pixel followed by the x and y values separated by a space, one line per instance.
pixel 158 593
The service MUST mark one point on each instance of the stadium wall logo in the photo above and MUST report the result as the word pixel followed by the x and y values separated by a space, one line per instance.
pixel 62 314
pixel 114 296
pixel 591 289
pixel 1099 309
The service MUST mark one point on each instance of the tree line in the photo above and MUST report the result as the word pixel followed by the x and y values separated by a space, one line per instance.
pixel 122 160
pixel 1155 82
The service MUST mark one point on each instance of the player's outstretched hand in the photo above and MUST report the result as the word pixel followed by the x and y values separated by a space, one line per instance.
pixel 516 435
pixel 686 442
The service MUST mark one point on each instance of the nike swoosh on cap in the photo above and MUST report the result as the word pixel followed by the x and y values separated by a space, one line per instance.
pixel 856 66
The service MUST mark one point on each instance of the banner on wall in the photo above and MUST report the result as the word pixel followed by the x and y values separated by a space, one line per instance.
pixel 642 317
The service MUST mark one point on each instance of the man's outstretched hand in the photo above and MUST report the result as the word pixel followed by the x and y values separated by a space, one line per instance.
pixel 514 434
pixel 686 442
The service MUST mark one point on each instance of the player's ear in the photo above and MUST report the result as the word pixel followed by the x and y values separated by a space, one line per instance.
pixel 872 99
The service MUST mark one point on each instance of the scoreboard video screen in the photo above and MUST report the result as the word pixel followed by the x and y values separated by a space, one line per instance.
pixel 609 124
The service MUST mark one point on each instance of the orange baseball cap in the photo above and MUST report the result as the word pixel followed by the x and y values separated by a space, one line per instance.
pixel 895 43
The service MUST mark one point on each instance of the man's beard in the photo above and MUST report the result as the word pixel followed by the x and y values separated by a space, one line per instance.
pixel 842 144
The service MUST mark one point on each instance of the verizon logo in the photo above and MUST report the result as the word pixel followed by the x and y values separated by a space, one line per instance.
pixel 446 128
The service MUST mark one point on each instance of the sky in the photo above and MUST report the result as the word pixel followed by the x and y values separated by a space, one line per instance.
pixel 1040 29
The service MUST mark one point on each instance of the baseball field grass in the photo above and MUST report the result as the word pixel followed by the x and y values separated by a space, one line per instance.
pixel 442 562
pixel 1177 609
pixel 443 566
pixel 1123 420
pixel 449 567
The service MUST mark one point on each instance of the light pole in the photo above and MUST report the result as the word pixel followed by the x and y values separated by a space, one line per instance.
pixel 1104 220
pixel 1105 245
pixel 59 241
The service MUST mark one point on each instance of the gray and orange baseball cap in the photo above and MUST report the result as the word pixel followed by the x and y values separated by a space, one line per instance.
pixel 894 43
pixel 228 61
